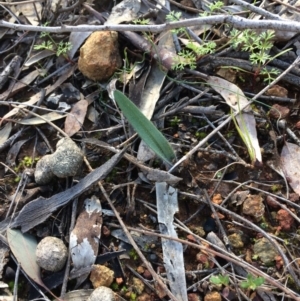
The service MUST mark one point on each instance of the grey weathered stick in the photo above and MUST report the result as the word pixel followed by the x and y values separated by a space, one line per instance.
pixel 235 21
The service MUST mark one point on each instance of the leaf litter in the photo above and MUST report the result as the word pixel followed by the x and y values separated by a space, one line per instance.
pixel 240 164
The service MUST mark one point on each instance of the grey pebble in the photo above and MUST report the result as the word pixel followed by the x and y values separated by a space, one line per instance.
pixel 51 254
pixel 102 293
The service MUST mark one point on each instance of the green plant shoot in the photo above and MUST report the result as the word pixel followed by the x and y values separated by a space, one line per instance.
pixel 252 282
pixel 145 128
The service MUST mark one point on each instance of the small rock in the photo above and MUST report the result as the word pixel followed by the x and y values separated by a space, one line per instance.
pixel 236 240
pixel 51 254
pixel 102 293
pixel 101 276
pixel 193 297
pixel 43 173
pixel 217 199
pixel 53 100
pixel 65 162
pixel 140 269
pixel 119 280
pixel 99 56
pixel 285 220
pixel 265 251
pixel 278 111
pixel 138 285
pixel 71 94
pixel 213 296
pixel 278 91
pixel 253 206
pixel 144 297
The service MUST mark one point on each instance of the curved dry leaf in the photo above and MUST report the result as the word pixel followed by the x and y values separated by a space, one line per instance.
pixel 23 247
pixel 290 160
pixel 236 99
pixel 76 39
pixel 38 56
pixel 30 11
pixel 125 11
pixel 75 119
pixel 20 84
pixel 5 132
pixel 52 116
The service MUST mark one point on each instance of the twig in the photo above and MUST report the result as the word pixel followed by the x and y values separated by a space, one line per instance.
pixel 20 3
pixel 68 265
pixel 257 10
pixel 236 22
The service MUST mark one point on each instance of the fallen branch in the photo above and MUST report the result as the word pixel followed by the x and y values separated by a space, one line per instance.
pixel 235 21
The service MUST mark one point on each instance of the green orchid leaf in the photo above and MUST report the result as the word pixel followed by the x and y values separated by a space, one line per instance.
pixel 145 128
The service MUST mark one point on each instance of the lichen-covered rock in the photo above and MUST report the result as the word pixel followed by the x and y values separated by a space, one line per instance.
pixel 102 293
pixel 51 254
pixel 67 159
pixel 254 206
pixel 236 240
pixel 265 251
pixel 138 285
pixel 65 162
pixel 99 56
pixel 101 276
pixel 43 173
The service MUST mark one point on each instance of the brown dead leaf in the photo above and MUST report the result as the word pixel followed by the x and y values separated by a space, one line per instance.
pixel 75 119
pixel 291 164
pixel 278 91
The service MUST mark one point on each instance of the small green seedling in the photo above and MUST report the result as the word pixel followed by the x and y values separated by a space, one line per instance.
pixel 133 296
pixel 188 57
pixel 133 254
pixel 60 48
pixel 175 121
pixel 219 279
pixel 25 163
pixel 252 282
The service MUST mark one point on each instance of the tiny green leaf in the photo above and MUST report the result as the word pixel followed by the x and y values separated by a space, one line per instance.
pixel 144 127
pixel 252 282
pixel 219 279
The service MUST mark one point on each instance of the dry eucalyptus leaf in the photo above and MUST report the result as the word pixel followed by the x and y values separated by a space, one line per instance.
pixel 75 119
pixel 84 239
pixel 290 160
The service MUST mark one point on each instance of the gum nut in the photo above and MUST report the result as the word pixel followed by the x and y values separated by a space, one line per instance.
pixel 67 159
pixel 43 174
pixel 51 254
